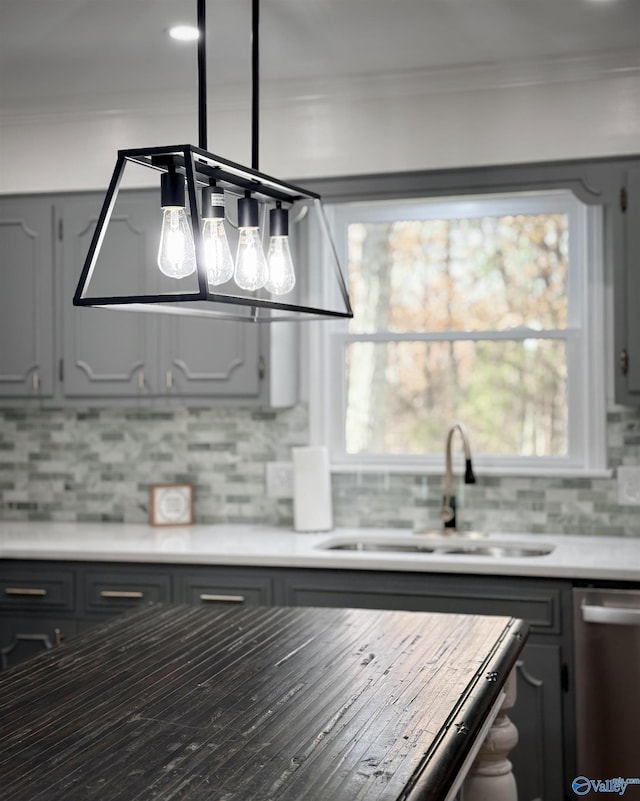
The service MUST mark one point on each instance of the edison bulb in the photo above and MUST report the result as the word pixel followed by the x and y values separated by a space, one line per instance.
pixel 177 251
pixel 217 254
pixel 281 278
pixel 251 267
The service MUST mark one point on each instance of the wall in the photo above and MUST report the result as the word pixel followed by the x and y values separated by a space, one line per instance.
pixel 96 465
pixel 569 108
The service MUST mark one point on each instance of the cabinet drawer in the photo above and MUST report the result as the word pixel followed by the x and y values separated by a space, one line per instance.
pixel 540 606
pixel 31 588
pixel 116 591
pixel 234 589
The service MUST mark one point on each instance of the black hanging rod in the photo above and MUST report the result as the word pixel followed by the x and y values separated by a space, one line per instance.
pixel 255 79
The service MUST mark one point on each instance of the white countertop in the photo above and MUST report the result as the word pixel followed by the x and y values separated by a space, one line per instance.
pixel 605 558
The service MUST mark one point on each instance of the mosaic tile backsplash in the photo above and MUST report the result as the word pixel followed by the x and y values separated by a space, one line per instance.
pixel 97 465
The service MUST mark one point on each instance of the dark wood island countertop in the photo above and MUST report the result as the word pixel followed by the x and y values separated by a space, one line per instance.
pixel 254 704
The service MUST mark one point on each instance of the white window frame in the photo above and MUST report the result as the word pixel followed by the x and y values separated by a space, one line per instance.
pixel 584 335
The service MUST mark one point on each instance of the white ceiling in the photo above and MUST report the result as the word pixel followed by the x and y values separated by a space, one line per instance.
pixel 83 48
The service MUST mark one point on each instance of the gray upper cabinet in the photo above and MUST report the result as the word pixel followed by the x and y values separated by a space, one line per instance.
pixel 209 357
pixel 627 295
pixel 110 354
pixel 106 353
pixel 26 298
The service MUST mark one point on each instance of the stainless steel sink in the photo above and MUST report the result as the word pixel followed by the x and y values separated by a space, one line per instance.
pixel 444 546
pixel 371 545
pixel 508 551
pixel 439 533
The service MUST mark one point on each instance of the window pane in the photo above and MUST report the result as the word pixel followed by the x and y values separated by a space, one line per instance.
pixel 403 396
pixel 470 274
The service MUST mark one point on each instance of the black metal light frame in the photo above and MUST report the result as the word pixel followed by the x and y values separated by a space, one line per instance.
pixel 201 168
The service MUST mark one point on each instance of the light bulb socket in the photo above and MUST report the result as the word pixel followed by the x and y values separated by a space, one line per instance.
pixel 279 222
pixel 212 203
pixel 247 212
pixel 171 189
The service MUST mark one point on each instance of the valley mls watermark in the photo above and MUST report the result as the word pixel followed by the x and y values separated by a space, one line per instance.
pixel 581 785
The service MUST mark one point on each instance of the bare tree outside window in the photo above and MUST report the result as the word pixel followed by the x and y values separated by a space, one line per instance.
pixel 485 299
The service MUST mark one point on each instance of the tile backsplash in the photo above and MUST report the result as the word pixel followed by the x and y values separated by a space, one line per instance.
pixel 97 465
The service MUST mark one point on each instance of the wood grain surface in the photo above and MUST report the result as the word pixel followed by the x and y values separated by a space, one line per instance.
pixel 242 703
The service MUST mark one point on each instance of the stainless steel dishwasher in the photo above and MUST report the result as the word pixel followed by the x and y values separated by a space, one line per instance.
pixel 607 670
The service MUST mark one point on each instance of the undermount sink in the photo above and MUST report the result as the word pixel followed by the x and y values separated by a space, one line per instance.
pixel 450 532
pixel 444 546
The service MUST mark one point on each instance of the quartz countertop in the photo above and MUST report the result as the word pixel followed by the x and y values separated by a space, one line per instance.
pixel 576 557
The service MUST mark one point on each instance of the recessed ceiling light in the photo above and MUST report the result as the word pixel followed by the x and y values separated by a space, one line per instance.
pixel 184 33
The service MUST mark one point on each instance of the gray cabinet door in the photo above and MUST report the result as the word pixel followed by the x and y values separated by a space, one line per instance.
pixel 23 637
pixel 538 758
pixel 209 357
pixel 114 353
pixel 107 353
pixel 26 298
pixel 631 287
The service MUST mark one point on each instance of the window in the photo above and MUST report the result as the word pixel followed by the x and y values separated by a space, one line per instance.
pixel 485 310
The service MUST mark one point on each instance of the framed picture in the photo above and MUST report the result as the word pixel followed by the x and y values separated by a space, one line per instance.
pixel 171 505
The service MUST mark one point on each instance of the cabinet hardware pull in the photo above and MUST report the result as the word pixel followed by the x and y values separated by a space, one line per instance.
pixel 58 637
pixel 624 362
pixel 169 379
pixel 121 594
pixel 140 379
pixel 35 380
pixel 234 599
pixel 24 591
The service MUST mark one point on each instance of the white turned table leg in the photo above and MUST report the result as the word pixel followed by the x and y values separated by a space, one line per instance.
pixel 490 777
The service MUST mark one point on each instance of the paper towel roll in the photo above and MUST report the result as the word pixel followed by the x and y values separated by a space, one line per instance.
pixel 312 509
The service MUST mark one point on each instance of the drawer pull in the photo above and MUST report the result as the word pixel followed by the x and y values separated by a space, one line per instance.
pixel 24 591
pixel 233 599
pixel 121 594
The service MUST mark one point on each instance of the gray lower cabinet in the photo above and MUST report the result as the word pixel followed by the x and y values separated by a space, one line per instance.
pixel 26 298
pixel 37 609
pixel 544 709
pixel 41 603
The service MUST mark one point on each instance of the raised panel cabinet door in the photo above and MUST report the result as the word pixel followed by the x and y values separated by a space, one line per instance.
pixel 26 298
pixel 108 353
pixel 630 362
pixel 538 758
pixel 23 637
pixel 202 356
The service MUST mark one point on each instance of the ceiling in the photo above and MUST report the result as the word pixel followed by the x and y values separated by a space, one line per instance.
pixel 56 49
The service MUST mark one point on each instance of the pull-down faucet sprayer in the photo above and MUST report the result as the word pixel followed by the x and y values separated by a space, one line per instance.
pixel 448 511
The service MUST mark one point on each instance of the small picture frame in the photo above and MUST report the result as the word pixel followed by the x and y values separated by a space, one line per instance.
pixel 171 505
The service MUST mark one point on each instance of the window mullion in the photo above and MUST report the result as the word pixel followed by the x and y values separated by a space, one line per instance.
pixel 517 335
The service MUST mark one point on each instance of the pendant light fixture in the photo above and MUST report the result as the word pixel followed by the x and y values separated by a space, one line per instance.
pixel 195 272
